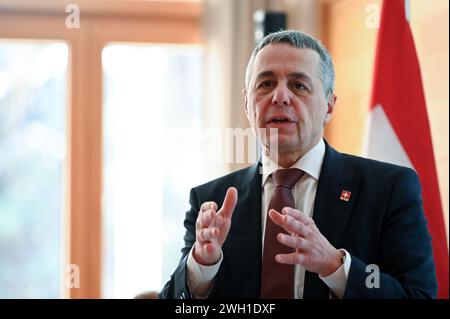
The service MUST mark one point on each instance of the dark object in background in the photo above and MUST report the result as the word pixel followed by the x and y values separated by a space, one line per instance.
pixel 267 22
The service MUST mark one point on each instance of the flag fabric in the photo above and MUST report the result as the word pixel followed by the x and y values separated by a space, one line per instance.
pixel 398 127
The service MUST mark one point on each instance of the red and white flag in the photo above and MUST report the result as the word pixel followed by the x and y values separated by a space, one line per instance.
pixel 398 130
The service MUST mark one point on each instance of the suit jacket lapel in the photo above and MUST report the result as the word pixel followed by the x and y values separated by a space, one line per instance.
pixel 331 214
pixel 243 245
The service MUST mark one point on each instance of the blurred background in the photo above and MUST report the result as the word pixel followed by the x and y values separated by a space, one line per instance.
pixel 111 110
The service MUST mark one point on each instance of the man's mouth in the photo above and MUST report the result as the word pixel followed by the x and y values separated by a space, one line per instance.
pixel 280 120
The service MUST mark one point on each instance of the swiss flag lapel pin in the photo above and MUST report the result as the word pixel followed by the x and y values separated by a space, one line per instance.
pixel 345 195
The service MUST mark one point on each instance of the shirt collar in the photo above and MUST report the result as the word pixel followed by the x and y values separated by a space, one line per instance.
pixel 310 163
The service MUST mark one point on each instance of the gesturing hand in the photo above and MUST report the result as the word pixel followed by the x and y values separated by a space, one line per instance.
pixel 312 249
pixel 212 228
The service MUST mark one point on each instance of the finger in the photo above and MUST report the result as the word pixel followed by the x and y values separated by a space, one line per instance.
pixel 298 215
pixel 229 203
pixel 208 205
pixel 291 259
pixel 211 219
pixel 202 219
pixel 288 223
pixel 206 218
pixel 291 212
pixel 295 242
pixel 208 234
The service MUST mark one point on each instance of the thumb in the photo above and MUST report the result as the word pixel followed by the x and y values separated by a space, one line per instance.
pixel 229 203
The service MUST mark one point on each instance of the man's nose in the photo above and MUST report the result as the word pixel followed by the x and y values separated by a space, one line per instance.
pixel 281 95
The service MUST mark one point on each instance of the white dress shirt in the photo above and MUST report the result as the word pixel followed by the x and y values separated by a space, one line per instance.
pixel 304 193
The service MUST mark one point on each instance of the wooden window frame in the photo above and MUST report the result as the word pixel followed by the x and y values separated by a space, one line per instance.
pixel 174 22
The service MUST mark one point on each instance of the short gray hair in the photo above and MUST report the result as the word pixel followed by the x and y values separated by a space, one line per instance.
pixel 299 40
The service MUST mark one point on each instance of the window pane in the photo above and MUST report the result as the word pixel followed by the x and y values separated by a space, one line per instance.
pixel 152 140
pixel 32 150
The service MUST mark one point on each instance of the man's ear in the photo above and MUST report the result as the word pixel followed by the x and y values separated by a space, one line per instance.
pixel 330 107
pixel 244 92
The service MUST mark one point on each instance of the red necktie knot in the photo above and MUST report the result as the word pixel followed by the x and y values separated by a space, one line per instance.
pixel 287 177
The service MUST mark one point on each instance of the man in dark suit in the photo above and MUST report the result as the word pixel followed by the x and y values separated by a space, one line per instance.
pixel 306 221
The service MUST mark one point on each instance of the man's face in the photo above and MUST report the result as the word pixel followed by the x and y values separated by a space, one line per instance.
pixel 285 92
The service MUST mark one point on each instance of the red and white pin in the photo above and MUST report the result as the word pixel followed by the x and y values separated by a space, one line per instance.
pixel 345 195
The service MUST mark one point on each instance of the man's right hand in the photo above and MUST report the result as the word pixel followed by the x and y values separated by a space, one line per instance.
pixel 212 228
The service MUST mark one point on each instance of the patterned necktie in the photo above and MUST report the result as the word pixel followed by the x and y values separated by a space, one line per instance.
pixel 278 279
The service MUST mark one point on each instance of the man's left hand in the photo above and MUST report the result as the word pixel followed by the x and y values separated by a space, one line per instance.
pixel 312 250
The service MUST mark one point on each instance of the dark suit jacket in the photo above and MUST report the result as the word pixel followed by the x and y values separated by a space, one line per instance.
pixel 382 223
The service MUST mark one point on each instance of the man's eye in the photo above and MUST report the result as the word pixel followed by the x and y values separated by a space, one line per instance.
pixel 299 86
pixel 266 84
